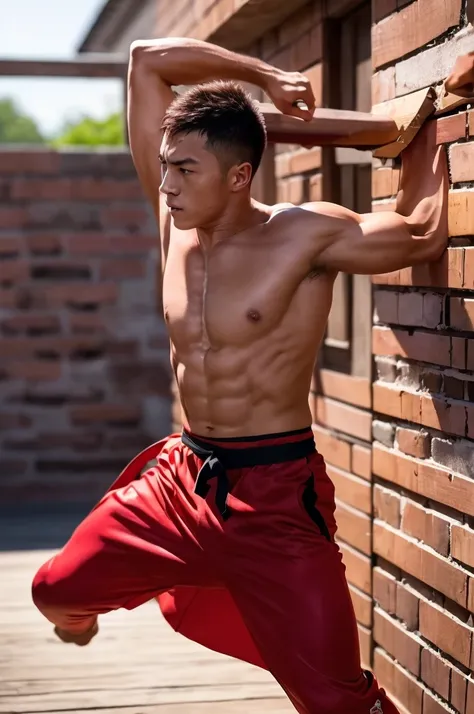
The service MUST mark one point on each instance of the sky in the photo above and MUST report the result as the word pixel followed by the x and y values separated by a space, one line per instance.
pixel 53 29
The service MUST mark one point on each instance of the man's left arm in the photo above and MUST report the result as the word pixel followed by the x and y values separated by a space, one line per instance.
pixel 416 232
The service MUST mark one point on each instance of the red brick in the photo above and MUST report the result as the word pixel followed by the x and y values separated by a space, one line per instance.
pixel 426 526
pixel 365 645
pixel 10 247
pixel 343 417
pixel 432 705
pixel 470 698
pixel 462 313
pixel 383 183
pixel 8 298
pixel 362 606
pixel 408 606
pixel 400 683
pixel 80 294
pixel 31 324
pixel 86 323
pixel 335 450
pixel 411 28
pixel 413 442
pixel 316 187
pixel 469 268
pixel 450 129
pixel 353 527
pixel 361 461
pixel 43 244
pixel 446 632
pixel 446 415
pixel 385 590
pixel 386 306
pixel 424 478
pixel 358 567
pixel 34 370
pixel 417 560
pixel 462 544
pixel 381 8
pixel 14 271
pixel 383 85
pixel 14 420
pixel 461 159
pixel 108 413
pixel 126 218
pixel 461 213
pixel 421 346
pixel 448 272
pixel 400 644
pixel 458 691
pixel 350 489
pixel 387 506
pixel 25 162
pixel 49 347
pixel 122 268
pixel 458 353
pixel 13 217
pixel 344 387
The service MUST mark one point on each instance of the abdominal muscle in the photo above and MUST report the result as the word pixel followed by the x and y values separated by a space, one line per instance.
pixel 261 388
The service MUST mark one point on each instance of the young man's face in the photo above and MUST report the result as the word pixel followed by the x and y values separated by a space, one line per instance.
pixel 196 187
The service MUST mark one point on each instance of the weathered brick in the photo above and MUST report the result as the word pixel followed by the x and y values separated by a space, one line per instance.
pixel 383 85
pixel 461 213
pixel 10 247
pixel 461 157
pixel 387 506
pixel 43 244
pixel 457 698
pixel 352 490
pixel 435 672
pixel 345 418
pixel 107 413
pixel 397 641
pixel 426 526
pixel 353 527
pixel 386 369
pixel 461 313
pixel 408 606
pixel 361 464
pixel 122 268
pixel 457 455
pixel 417 560
pixel 433 705
pixel 446 632
pixel 30 323
pixel 358 567
pixel 13 271
pixel 423 478
pixel 335 450
pixel 450 129
pixel 411 28
pixel 386 306
pixel 422 346
pixel 462 544
pixel 385 590
pixel 413 442
pixel 33 370
pixel 398 682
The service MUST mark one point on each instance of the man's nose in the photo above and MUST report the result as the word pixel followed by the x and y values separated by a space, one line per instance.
pixel 168 186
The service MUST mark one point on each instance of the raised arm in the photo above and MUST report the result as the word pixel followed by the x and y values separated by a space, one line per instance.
pixel 384 241
pixel 157 65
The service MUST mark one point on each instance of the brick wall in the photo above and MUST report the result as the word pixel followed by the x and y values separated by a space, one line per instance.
pixel 399 443
pixel 423 430
pixel 84 359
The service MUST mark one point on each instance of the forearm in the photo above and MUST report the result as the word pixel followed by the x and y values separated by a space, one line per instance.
pixel 186 61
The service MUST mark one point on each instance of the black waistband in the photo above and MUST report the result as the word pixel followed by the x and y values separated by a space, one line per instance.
pixel 241 458
pixel 218 459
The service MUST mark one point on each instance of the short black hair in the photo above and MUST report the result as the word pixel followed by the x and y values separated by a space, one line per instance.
pixel 226 114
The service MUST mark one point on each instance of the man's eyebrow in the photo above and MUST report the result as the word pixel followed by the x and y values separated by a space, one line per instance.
pixel 179 162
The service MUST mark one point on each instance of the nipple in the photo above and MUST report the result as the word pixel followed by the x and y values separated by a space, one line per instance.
pixel 254 315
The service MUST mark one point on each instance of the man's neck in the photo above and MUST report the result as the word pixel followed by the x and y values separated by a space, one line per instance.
pixel 235 220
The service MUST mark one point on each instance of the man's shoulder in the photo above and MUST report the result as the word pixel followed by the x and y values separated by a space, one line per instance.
pixel 314 217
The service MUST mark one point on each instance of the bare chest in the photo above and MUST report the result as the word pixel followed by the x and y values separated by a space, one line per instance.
pixel 231 295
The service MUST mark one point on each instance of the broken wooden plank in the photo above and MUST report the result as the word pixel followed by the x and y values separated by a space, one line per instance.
pixel 446 101
pixel 409 114
pixel 330 127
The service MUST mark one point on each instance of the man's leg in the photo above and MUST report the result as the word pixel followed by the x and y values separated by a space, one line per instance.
pixel 290 587
pixel 129 548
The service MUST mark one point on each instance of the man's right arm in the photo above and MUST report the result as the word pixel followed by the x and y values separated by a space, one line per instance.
pixel 157 65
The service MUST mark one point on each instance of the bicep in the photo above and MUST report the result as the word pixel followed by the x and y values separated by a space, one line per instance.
pixel 148 99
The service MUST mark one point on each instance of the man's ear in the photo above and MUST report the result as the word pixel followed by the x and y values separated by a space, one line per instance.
pixel 240 176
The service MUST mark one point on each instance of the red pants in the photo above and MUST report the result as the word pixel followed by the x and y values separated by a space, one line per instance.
pixel 235 539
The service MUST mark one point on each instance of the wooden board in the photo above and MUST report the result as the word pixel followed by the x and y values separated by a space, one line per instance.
pixel 409 113
pixel 136 665
pixel 330 127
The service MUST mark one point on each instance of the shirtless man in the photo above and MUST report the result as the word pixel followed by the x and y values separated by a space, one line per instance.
pixel 230 525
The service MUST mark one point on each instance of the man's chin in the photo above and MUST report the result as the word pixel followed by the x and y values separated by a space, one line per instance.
pixel 181 220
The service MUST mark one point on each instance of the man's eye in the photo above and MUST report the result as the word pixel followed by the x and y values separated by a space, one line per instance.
pixel 185 171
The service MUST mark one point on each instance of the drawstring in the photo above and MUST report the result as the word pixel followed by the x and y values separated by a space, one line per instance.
pixel 211 468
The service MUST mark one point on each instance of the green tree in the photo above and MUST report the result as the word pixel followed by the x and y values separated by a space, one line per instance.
pixel 17 127
pixel 92 132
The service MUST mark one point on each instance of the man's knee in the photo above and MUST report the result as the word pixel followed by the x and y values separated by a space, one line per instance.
pixel 53 591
